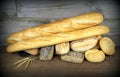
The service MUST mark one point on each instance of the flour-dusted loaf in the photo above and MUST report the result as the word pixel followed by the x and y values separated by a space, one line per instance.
pixel 68 24
pixel 58 38
pixel 84 44
pixel 62 48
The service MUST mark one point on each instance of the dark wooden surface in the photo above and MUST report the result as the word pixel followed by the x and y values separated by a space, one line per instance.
pixel 58 68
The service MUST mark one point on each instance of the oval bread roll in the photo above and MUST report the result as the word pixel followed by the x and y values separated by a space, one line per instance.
pixel 64 25
pixel 57 38
pixel 62 48
pixel 84 44
pixel 94 55
pixel 107 45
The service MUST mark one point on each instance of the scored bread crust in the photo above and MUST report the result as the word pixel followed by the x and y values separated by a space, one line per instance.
pixel 84 44
pixel 64 25
pixel 57 38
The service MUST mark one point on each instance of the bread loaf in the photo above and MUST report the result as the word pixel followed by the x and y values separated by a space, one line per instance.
pixel 84 44
pixel 107 45
pixel 46 53
pixel 57 38
pixel 68 24
pixel 74 57
pixel 62 48
pixel 94 55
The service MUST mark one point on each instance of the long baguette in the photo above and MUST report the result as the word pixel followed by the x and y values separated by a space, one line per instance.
pixel 57 38
pixel 64 25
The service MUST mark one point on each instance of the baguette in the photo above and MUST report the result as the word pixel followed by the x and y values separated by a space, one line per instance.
pixel 57 38
pixel 64 25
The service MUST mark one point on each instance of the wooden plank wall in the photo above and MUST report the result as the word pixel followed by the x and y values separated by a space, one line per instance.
pixel 16 15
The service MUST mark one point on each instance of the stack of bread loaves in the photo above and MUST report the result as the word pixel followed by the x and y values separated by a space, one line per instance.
pixel 71 38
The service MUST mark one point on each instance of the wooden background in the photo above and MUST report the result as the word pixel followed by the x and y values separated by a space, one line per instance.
pixel 16 15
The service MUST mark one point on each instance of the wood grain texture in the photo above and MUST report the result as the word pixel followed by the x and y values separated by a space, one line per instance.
pixel 61 8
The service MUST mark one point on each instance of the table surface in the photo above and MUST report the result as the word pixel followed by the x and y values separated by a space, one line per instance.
pixel 59 68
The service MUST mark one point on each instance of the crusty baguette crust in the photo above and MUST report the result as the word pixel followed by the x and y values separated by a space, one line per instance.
pixel 68 24
pixel 57 38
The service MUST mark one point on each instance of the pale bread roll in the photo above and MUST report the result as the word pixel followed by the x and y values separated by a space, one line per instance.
pixel 32 51
pixel 62 48
pixel 97 45
pixel 107 45
pixel 94 55
pixel 84 44
pixel 57 38
pixel 68 24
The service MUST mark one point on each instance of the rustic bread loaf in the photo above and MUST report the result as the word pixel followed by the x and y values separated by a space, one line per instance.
pixel 46 53
pixel 57 38
pixel 62 48
pixel 84 44
pixel 94 55
pixel 68 24
pixel 74 57
pixel 107 45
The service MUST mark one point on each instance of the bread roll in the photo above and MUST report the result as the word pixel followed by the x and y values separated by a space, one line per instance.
pixel 107 45
pixel 32 51
pixel 84 44
pixel 62 48
pixel 95 55
pixel 68 24
pixel 57 38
